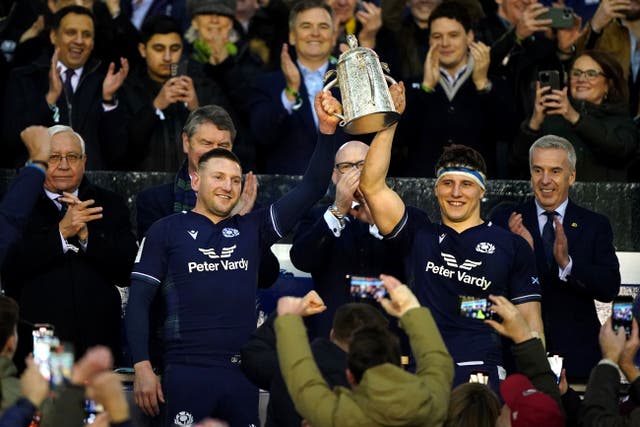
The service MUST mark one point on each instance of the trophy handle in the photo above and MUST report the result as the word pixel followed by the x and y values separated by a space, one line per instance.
pixel 329 85
pixel 390 80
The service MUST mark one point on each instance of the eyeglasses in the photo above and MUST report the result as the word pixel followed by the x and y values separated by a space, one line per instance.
pixel 587 74
pixel 345 166
pixel 72 158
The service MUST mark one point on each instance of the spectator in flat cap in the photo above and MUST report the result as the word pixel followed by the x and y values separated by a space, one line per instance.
pixel 222 65
pixel 218 7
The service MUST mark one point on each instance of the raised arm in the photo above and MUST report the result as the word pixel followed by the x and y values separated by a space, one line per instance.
pixel 385 204
pixel 287 210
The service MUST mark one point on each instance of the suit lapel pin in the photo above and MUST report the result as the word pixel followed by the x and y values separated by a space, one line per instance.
pixel 574 224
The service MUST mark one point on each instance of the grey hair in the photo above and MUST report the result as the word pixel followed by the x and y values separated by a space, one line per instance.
pixel 554 141
pixel 213 114
pixel 54 130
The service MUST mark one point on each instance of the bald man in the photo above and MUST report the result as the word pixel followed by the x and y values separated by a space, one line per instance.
pixel 341 239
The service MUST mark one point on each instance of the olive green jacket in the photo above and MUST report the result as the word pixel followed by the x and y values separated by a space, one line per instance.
pixel 386 396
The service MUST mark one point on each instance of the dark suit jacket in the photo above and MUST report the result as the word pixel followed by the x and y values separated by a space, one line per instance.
pixel 25 105
pixel 75 292
pixel 329 259
pixel 571 324
pixel 285 141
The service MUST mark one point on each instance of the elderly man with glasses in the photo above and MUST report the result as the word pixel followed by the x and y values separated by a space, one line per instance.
pixel 76 248
pixel 341 240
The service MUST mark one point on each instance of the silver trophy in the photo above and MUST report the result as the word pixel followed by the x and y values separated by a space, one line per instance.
pixel 366 102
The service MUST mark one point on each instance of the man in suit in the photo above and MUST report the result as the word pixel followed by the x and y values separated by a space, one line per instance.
pixel 77 247
pixel 575 256
pixel 341 239
pixel 68 88
pixel 281 118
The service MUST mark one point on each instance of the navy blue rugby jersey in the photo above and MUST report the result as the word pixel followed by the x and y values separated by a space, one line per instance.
pixel 442 265
pixel 208 275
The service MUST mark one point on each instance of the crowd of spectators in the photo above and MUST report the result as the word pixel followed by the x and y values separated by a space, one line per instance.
pixel 142 66
pixel 214 91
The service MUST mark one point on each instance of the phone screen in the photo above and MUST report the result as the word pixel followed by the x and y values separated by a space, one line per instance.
pixel 475 308
pixel 43 340
pixel 623 314
pixel 61 364
pixel 363 287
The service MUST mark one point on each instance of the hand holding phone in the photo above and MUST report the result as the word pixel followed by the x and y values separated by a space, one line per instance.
pixel 561 17
pixel 622 313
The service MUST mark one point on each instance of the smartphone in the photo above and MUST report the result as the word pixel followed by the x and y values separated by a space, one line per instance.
pixel 43 340
pixel 549 78
pixel 61 364
pixel 555 362
pixel 179 68
pixel 561 17
pixel 622 313
pixel 476 308
pixel 363 287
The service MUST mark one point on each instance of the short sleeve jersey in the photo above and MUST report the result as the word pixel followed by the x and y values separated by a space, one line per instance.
pixel 208 276
pixel 442 265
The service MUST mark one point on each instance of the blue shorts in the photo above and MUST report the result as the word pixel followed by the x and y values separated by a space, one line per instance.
pixel 195 392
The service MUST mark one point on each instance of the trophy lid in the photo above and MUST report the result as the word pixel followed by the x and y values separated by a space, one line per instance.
pixel 353 49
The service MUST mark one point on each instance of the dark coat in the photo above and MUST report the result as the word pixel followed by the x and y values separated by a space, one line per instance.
pixel 406 45
pixel 600 406
pixel 432 122
pixel 571 323
pixel 152 144
pixel 284 141
pixel 75 292
pixel 228 85
pixel 25 105
pixel 516 64
pixel 260 365
pixel 605 139
pixel 329 259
